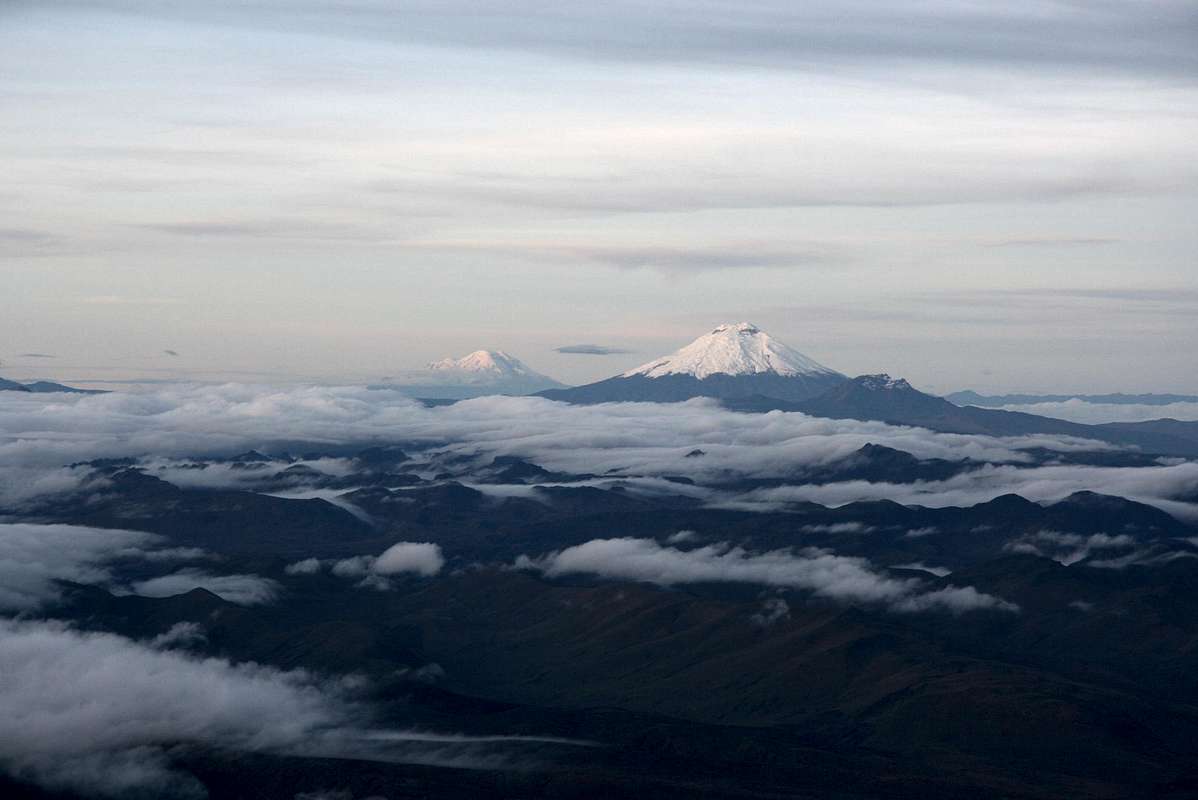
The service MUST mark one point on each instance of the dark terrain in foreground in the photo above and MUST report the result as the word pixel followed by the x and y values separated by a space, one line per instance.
pixel 714 689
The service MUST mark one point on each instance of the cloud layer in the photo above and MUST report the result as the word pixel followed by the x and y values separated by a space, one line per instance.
pixel 1095 413
pixel 1132 38
pixel 97 712
pixel 419 558
pixel 34 557
pixel 612 170
pixel 39 434
pixel 100 714
pixel 822 573
pixel 204 420
pixel 590 350
pixel 245 590
pixel 1171 488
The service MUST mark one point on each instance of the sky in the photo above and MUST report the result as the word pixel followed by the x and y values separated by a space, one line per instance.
pixel 968 194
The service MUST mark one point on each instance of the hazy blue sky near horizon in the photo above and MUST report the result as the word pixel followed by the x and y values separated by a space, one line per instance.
pixel 990 195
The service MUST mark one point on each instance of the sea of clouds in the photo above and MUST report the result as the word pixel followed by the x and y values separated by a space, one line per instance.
pixel 95 710
pixel 41 434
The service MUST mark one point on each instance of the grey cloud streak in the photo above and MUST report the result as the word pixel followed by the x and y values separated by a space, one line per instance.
pixel 685 259
pixel 284 229
pixel 26 243
pixel 1129 38
pixel 1057 242
pixel 590 350
pixel 932 180
pixel 1180 294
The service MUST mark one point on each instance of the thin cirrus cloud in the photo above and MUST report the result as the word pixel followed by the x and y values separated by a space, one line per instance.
pixel 24 235
pixel 128 300
pixel 688 259
pixel 29 243
pixel 672 260
pixel 1138 294
pixel 213 229
pixel 893 180
pixel 503 179
pixel 1135 38
pixel 302 229
pixel 1076 241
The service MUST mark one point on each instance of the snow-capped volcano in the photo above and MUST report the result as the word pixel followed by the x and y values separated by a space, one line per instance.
pixel 732 360
pixel 732 349
pixel 480 373
pixel 482 364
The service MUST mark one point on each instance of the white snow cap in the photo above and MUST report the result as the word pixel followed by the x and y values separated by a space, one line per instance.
pixel 732 349
pixel 485 361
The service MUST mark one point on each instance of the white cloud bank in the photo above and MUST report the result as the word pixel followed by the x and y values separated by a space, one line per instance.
pixel 33 558
pixel 245 590
pixel 41 433
pixel 421 558
pixel 822 573
pixel 1076 410
pixel 1159 486
pixel 100 714
pixel 96 712
pixel 416 558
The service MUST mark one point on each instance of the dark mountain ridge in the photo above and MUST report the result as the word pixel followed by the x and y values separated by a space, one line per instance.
pixel 678 388
pixel 881 398
pixel 44 387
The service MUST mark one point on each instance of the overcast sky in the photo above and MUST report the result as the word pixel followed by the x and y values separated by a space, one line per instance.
pixel 969 194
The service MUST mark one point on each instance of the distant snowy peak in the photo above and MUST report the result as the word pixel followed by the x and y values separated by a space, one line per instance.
pixel 483 362
pixel 480 373
pixel 733 361
pixel 733 349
